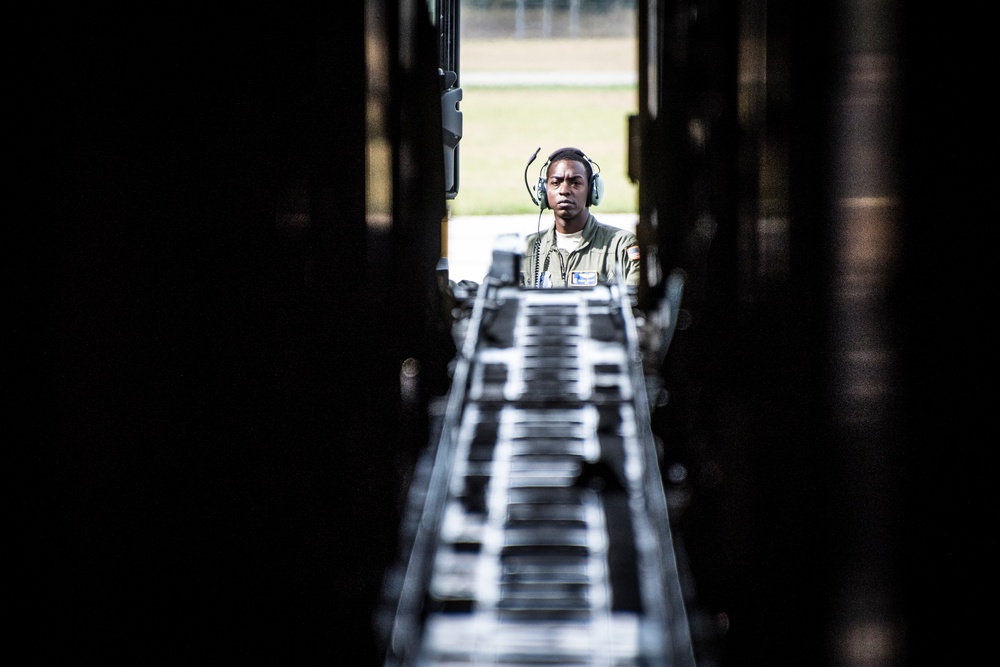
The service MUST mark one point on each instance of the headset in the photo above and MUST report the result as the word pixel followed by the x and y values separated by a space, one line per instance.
pixel 540 193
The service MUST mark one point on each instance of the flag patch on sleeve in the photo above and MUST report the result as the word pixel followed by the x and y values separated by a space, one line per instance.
pixel 633 253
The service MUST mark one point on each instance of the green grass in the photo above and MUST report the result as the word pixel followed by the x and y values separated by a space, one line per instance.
pixel 502 127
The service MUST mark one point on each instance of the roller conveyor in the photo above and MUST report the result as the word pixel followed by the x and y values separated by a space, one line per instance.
pixel 538 524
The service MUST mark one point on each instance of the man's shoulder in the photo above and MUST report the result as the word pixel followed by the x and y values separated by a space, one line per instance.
pixel 612 231
pixel 534 236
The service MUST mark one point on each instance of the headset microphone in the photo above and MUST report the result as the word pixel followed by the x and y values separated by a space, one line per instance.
pixel 531 192
pixel 538 239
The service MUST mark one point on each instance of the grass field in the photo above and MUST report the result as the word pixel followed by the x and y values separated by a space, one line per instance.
pixel 502 126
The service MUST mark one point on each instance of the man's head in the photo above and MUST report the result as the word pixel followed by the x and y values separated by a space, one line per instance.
pixel 593 179
pixel 569 187
pixel 570 153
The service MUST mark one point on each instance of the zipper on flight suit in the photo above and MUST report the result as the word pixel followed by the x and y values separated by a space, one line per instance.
pixel 563 264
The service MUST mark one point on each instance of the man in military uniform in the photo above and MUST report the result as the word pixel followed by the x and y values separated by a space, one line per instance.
pixel 577 251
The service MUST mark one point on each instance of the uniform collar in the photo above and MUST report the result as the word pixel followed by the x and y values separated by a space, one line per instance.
pixel 588 232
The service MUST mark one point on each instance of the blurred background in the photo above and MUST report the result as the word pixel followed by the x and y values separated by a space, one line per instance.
pixel 539 75
pixel 544 83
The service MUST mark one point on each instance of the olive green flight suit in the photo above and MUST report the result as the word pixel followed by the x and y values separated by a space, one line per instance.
pixel 604 252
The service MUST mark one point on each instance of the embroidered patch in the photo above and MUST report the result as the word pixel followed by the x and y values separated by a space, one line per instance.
pixel 633 253
pixel 583 278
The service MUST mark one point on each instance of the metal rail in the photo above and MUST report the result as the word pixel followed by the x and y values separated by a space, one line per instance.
pixel 542 535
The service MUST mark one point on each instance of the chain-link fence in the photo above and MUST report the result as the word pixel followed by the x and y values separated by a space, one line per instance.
pixel 520 19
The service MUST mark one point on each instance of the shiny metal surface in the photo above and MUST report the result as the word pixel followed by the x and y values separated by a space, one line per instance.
pixel 542 534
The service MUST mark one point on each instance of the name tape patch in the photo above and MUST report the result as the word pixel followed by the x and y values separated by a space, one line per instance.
pixel 583 278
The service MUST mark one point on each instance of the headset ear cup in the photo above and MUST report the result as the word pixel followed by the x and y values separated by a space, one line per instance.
pixel 596 190
pixel 541 194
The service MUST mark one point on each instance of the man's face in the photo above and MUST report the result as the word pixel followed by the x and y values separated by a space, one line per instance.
pixel 567 187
